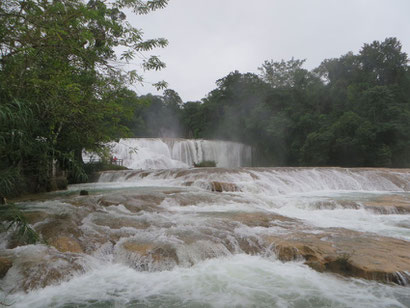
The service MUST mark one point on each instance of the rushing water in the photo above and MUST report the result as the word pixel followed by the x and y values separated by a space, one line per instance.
pixel 165 153
pixel 171 238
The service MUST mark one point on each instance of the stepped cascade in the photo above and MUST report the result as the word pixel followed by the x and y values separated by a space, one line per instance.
pixel 214 237
pixel 164 153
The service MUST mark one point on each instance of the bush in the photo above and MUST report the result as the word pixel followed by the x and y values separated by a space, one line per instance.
pixel 205 163
pixel 92 168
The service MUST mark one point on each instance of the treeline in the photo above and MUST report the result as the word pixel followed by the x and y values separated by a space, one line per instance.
pixel 350 111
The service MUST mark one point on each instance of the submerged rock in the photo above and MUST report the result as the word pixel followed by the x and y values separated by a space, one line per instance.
pixel 66 244
pixel 389 204
pixel 38 266
pixel 348 253
pixel 5 265
pixel 224 187
pixel 150 256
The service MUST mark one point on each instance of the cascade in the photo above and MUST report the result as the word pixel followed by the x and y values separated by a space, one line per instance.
pixel 272 181
pixel 214 237
pixel 166 153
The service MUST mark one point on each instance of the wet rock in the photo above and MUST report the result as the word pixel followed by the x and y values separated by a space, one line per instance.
pixel 393 204
pixel 117 223
pixel 66 244
pixel 250 246
pixel 348 253
pixel 41 275
pixel 38 266
pixel 5 265
pixel 134 202
pixel 258 219
pixel 33 217
pixel 83 192
pixel 150 256
pixel 59 228
pixel 223 187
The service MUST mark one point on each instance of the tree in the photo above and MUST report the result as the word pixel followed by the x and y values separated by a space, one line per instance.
pixel 57 58
pixel 383 62
pixel 284 73
pixel 350 111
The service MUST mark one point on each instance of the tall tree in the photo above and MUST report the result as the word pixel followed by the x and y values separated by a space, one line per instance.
pixel 58 59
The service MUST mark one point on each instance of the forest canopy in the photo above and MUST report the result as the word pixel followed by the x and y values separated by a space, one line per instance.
pixel 350 111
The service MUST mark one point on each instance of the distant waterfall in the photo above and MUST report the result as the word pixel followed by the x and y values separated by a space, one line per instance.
pixel 164 153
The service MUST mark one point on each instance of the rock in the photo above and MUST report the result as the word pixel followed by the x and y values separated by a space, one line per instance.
pixel 157 253
pixel 83 192
pixel 50 271
pixel 224 187
pixel 348 253
pixel 150 256
pixel 393 204
pixel 66 244
pixel 61 233
pixel 33 217
pixel 5 265
pixel 134 202
pixel 37 266
pixel 258 219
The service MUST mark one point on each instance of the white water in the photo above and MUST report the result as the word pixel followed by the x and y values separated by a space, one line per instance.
pixel 237 281
pixel 176 210
pixel 315 195
pixel 165 153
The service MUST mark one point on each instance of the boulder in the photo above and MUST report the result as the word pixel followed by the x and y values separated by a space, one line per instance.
pixel 5 265
pixel 223 187
pixel 150 256
pixel 348 253
pixel 66 244
pixel 393 204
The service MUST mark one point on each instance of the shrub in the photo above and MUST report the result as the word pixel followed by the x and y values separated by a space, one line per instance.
pixel 205 163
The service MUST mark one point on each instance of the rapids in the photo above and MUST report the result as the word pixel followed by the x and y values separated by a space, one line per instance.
pixel 217 237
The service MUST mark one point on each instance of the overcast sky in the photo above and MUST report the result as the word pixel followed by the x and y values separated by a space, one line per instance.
pixel 208 39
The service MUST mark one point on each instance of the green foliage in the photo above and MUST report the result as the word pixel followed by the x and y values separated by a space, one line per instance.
pixel 350 111
pixel 90 168
pixel 155 116
pixel 284 73
pixel 205 163
pixel 20 148
pixel 13 219
pixel 62 85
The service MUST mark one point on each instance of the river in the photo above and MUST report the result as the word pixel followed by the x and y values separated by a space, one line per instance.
pixel 231 236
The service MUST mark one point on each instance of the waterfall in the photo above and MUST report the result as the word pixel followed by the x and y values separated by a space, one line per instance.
pixel 165 153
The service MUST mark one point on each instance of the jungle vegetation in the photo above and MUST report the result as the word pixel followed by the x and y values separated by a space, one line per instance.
pixel 350 111
pixel 62 84
pixel 63 89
